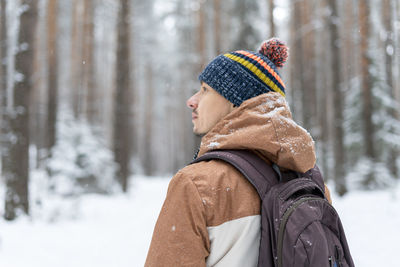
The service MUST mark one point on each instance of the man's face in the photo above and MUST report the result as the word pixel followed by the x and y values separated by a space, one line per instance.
pixel 208 107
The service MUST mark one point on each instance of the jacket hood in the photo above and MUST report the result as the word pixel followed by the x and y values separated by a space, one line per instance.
pixel 264 124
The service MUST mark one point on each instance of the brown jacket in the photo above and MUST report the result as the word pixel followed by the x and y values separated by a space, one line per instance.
pixel 211 215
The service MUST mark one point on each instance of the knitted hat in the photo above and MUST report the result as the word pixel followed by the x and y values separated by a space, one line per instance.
pixel 241 75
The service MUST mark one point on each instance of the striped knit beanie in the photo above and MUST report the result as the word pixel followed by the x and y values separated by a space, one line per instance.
pixel 241 75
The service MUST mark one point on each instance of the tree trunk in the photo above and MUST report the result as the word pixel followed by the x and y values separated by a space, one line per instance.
pixel 366 87
pixel 323 104
pixel 244 12
pixel 3 58
pixel 271 7
pixel 122 115
pixel 201 37
pixel 3 72
pixel 296 77
pixel 52 78
pixel 336 87
pixel 76 58
pixel 88 76
pixel 388 55
pixel 16 157
pixel 397 82
pixel 217 26
pixel 397 88
pixel 39 97
pixel 349 59
pixel 307 69
pixel 149 120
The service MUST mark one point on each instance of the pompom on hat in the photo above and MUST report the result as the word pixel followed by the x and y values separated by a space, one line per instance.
pixel 242 74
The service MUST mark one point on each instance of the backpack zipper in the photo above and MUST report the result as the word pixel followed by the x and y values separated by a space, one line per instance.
pixel 282 225
pixel 330 261
pixel 338 255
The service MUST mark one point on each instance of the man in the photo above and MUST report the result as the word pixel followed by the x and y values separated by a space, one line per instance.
pixel 211 215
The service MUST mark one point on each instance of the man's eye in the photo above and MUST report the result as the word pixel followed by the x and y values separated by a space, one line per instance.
pixel 204 89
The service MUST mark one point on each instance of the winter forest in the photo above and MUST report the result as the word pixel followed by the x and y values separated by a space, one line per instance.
pixel 93 93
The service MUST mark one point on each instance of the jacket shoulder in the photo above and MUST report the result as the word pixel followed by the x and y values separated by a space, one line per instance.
pixel 224 191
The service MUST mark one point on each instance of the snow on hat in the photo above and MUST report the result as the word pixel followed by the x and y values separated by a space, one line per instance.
pixel 241 75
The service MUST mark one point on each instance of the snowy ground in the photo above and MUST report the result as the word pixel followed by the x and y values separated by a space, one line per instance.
pixel 116 231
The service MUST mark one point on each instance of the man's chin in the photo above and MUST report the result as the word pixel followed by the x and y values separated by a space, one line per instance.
pixel 198 133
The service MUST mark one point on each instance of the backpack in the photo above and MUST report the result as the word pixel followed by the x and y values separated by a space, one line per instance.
pixel 299 227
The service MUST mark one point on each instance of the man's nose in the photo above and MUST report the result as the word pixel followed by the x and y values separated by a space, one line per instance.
pixel 192 102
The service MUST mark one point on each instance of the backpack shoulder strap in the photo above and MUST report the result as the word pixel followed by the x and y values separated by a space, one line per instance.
pixel 316 175
pixel 257 171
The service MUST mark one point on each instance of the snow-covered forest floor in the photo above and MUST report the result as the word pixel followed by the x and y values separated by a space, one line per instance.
pixel 97 230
